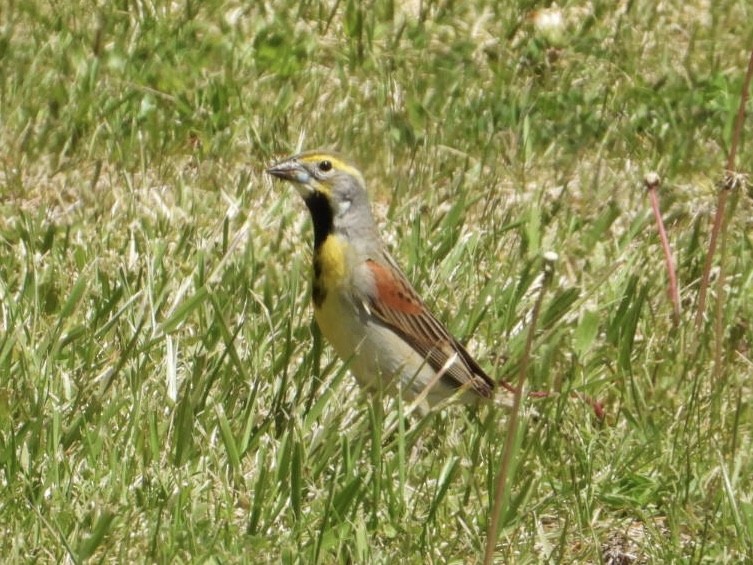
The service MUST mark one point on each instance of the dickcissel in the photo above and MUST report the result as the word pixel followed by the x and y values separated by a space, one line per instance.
pixel 363 303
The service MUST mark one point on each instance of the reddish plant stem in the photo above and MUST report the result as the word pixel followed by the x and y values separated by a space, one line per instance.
pixel 723 194
pixel 720 205
pixel 597 406
pixel 652 184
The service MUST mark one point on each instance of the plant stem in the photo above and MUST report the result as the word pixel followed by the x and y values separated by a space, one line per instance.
pixel 651 182
pixel 723 194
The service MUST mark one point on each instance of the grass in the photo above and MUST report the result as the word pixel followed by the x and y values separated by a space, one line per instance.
pixel 164 395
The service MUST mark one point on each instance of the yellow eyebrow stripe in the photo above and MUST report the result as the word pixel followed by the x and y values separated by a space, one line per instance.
pixel 338 164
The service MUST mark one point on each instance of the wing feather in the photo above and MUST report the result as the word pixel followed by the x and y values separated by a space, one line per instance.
pixel 398 307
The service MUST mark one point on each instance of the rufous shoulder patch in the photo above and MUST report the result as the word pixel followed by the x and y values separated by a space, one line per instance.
pixel 391 291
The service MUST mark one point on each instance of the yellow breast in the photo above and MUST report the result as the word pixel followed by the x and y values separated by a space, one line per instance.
pixel 334 310
pixel 330 268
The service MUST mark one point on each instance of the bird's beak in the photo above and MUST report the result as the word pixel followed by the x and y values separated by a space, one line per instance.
pixel 291 171
pixel 296 173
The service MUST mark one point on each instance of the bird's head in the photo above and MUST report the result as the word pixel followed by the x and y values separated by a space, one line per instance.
pixel 333 190
pixel 323 177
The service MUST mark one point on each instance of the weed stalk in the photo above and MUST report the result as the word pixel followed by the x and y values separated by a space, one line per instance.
pixel 652 181
pixel 720 226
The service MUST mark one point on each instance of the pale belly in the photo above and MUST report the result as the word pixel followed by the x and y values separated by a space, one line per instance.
pixel 377 357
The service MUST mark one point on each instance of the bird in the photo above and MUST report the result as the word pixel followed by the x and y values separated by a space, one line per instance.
pixel 363 303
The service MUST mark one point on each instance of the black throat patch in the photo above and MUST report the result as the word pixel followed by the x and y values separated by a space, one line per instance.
pixel 324 225
pixel 322 216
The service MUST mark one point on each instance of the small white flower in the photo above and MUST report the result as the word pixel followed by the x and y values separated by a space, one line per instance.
pixel 549 23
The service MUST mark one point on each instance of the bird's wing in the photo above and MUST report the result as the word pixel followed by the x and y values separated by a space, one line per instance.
pixel 396 305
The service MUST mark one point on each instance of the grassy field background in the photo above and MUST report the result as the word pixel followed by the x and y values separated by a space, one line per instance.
pixel 164 396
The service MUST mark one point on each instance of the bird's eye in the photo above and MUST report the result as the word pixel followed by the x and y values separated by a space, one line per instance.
pixel 325 166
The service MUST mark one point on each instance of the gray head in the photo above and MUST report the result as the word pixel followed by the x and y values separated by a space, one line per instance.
pixel 334 192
